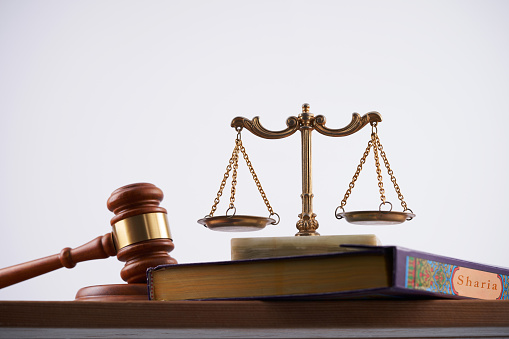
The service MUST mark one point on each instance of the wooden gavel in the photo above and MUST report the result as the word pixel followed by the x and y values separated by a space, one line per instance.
pixel 141 238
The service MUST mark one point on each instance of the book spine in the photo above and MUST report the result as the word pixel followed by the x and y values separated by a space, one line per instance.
pixel 150 283
pixel 449 277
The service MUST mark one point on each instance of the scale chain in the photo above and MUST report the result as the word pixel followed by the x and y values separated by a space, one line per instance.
pixel 374 140
pixel 223 182
pixel 234 174
pixel 377 147
pixel 391 174
pixel 234 164
pixel 356 175
pixel 255 178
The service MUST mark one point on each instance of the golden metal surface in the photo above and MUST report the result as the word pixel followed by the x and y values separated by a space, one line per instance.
pixel 307 224
pixel 140 228
pixel 236 223
pixel 357 123
pixel 257 129
pixel 306 122
pixel 376 217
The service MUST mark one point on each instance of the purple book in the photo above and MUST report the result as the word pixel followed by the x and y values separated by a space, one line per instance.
pixel 367 272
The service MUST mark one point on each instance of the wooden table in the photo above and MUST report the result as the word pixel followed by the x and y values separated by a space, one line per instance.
pixel 255 319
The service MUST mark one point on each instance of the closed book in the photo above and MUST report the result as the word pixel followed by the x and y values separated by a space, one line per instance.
pixel 370 272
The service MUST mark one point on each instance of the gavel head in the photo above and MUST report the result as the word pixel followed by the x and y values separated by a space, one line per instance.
pixel 141 233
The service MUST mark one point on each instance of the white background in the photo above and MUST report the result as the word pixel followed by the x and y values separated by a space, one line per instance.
pixel 95 95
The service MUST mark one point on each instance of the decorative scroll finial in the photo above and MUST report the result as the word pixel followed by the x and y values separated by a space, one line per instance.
pixel 357 123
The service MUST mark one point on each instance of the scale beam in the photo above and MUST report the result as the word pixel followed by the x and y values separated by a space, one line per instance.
pixel 254 126
pixel 355 125
pixel 306 122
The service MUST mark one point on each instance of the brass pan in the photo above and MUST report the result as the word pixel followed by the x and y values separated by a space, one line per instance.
pixel 376 217
pixel 236 223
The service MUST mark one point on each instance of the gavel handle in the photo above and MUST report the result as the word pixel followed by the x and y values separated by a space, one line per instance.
pixel 100 248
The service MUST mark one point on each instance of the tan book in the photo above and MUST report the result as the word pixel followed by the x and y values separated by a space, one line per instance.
pixel 273 247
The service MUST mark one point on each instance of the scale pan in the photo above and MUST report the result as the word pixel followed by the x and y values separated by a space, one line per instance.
pixel 236 223
pixel 376 217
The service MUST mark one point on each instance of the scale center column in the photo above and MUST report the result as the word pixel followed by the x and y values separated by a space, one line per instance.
pixel 307 223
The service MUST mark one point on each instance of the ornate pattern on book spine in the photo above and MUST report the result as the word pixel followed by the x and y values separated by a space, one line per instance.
pixel 434 276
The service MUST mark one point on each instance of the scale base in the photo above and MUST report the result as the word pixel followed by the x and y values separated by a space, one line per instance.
pixel 116 292
pixel 270 247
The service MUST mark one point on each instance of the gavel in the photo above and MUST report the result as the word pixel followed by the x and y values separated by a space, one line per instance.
pixel 140 237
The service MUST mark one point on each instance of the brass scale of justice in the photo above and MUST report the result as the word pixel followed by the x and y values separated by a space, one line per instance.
pixel 307 225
